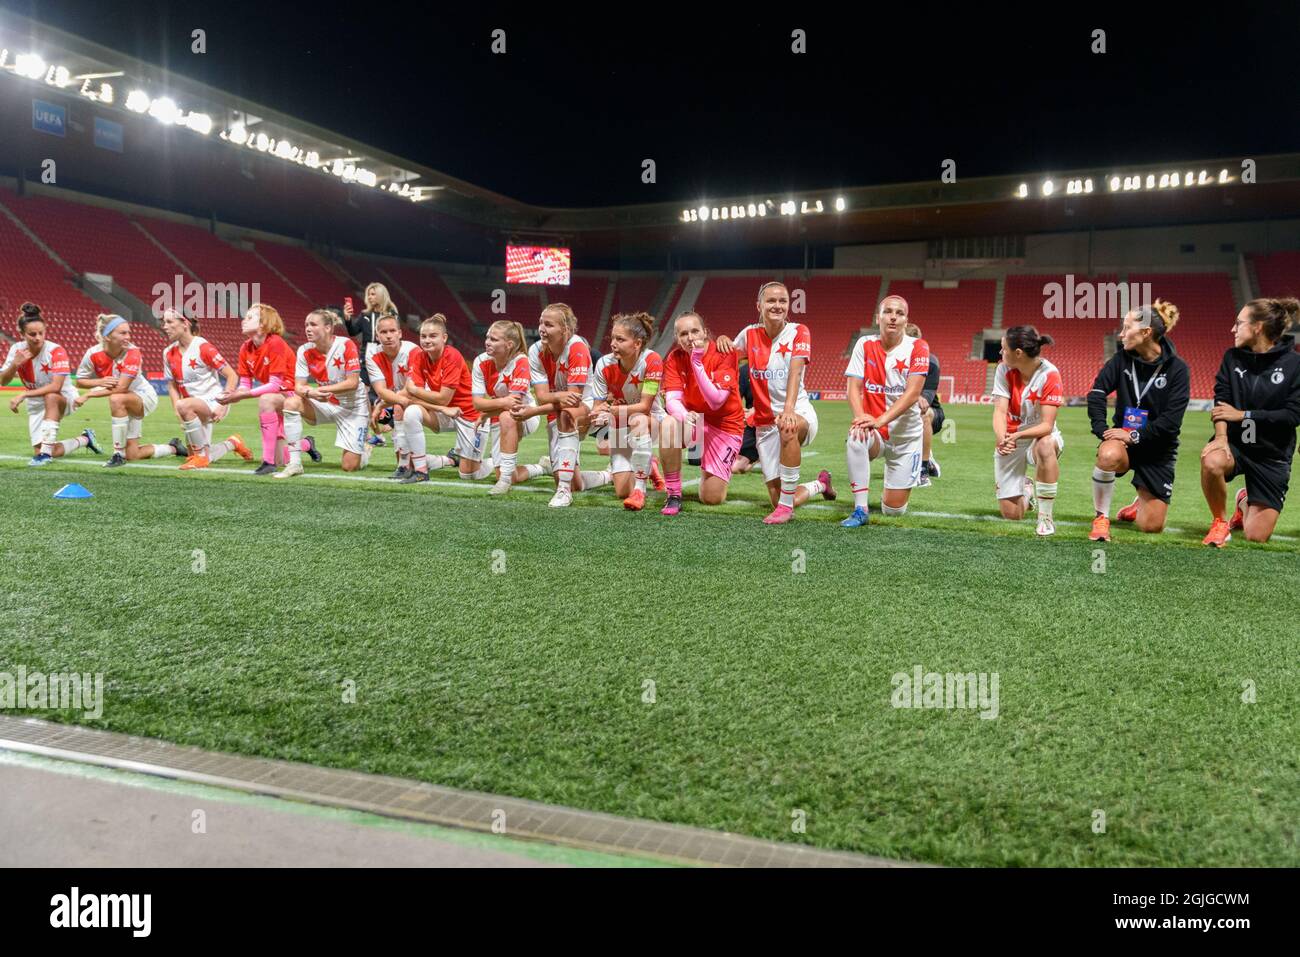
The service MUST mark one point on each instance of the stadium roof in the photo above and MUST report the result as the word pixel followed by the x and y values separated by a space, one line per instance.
pixel 1206 190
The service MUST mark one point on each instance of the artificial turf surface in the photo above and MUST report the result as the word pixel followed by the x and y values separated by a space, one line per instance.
pixel 1119 691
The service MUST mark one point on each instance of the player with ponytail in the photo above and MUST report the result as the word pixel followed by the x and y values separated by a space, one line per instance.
pixel 501 384
pixel 624 397
pixel 1027 392
pixel 1255 415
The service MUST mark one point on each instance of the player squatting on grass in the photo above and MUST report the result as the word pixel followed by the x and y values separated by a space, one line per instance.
pixel 501 398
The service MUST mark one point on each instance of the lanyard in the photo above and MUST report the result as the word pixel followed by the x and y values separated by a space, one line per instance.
pixel 1138 393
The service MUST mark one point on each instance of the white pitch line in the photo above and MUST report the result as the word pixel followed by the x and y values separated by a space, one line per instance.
pixel 439 483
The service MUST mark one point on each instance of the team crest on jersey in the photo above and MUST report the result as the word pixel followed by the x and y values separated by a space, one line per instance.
pixel 1160 382
pixel 1276 377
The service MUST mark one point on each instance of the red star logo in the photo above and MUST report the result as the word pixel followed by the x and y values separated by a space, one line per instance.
pixel 402 370
pixel 783 349
pixel 900 366
pixel 1032 396
pixel 338 362
pixel 45 367
pixel 194 363
pixel 633 380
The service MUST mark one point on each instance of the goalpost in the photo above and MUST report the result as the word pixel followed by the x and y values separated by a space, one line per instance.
pixel 947 386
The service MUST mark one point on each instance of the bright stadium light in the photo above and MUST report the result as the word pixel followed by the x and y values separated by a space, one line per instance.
pixel 29 65
pixel 704 213
pixel 753 211
pixel 840 204
pixel 1164 181
pixel 58 76
pixel 1187 179
pixel 1114 183
pixel 762 209
pixel 1048 187
pixel 1223 176
pixel 1151 181
pixel 199 123
pixel 263 142
pixel 1087 185
pixel 137 101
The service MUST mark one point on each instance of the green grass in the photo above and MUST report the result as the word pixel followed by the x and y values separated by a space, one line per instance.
pixel 1119 691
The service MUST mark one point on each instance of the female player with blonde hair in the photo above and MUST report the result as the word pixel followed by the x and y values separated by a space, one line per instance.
pixel 388 370
pixel 43 368
pixel 114 369
pixel 560 366
pixel 193 369
pixel 1152 385
pixel 266 367
pixel 334 365
pixel 1027 392
pixel 778 351
pixel 624 397
pixel 501 385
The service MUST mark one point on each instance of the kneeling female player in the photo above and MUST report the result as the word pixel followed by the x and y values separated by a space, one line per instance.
pixel 114 369
pixel 42 367
pixel 560 366
pixel 624 396
pixel 388 369
pixel 1151 385
pixel 501 384
pixel 778 351
pixel 886 374
pixel 339 396
pixel 1256 412
pixel 265 370
pixel 440 395
pixel 191 366
pixel 701 389
pixel 1027 391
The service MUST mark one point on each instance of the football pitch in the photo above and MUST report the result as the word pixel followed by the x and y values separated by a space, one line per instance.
pixel 705 670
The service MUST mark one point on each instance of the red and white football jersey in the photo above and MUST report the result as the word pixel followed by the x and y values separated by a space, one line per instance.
pixel 194 369
pixel 259 363
pixel 491 382
pixel 610 378
pixel 570 371
pixel 41 369
pixel 336 364
pixel 885 376
pixel 1025 400
pixel 450 369
pixel 392 372
pixel 98 364
pixel 769 367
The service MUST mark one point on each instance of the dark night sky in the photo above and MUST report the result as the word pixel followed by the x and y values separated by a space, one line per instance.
pixel 567 115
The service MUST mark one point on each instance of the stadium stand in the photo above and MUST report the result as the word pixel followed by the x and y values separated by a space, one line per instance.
pixel 29 274
pixel 586 296
pixel 637 294
pixel 1278 273
pixel 305 271
pixel 1079 345
pixel 1206 311
pixel 838 308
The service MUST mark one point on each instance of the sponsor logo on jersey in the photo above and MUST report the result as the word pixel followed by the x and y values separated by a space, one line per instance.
pixel 769 374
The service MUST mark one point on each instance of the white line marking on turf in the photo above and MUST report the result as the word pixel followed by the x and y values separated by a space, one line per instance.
pixel 465 484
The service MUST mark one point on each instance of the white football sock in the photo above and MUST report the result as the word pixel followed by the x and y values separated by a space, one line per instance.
pixel 49 433
pixel 566 453
pixel 71 445
pixel 789 482
pixel 293 436
pixel 162 451
pixel 508 462
pixel 1046 492
pixel 194 435
pixel 119 427
pixel 1103 490
pixel 859 459
pixel 217 450
pixel 814 487
pixel 595 479
pixel 641 448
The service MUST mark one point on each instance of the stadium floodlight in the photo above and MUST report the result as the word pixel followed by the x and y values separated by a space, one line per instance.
pixel 714 212
pixel 29 65
pixel 58 76
pixel 1087 185
pixel 1151 181
pixel 1048 187
pixel 1114 183
pixel 199 123
pixel 840 204
pixel 164 110
pixel 1203 178
pixel 1223 176
pixel 285 150
pixel 762 209
pixel 312 160
pixel 704 213
pixel 137 101
pixel 1187 179
pixel 238 134
pixel 753 211
pixel 1164 180
pixel 263 142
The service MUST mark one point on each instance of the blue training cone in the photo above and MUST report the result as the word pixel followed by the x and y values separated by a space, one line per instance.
pixel 73 491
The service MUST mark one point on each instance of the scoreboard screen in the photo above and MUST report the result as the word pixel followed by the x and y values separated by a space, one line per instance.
pixel 538 264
